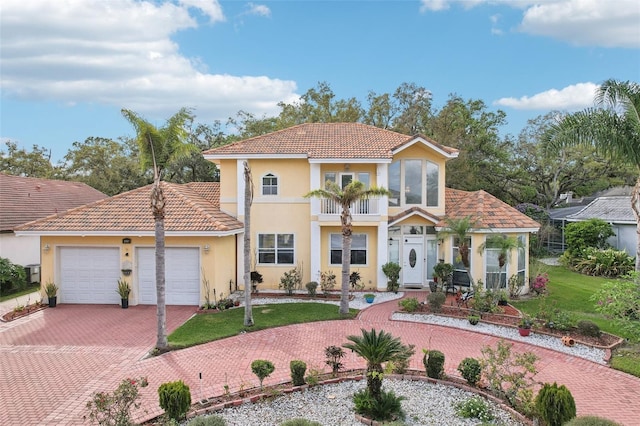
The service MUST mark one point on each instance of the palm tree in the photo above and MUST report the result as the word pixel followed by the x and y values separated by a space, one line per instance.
pixel 158 147
pixel 248 199
pixel 504 243
pixel 351 193
pixel 613 128
pixel 461 229
pixel 376 348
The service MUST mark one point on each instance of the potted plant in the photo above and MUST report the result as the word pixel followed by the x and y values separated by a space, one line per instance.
pixel 392 272
pixel 524 326
pixel 52 294
pixel 369 297
pixel 502 298
pixel 124 290
pixel 473 319
pixel 256 278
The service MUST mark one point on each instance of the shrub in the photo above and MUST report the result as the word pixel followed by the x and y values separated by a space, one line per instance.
pixel 175 399
pixel 298 368
pixel 356 281
pixel 410 304
pixel 591 421
pixel 207 421
pixel 484 300
pixel 388 407
pixel 588 233
pixel 327 281
pixel 300 422
pixel 474 408
pixel 291 280
pixel 473 319
pixel 471 370
pixel 510 376
pixel 539 284
pixel 604 262
pixel 334 354
pixel 515 285
pixel 12 277
pixel 555 404
pixel 313 377
pixel 436 300
pixel 263 369
pixel 433 361
pixel 311 286
pixel 400 362
pixel 392 271
pixel 620 300
pixel 588 328
pixel 115 409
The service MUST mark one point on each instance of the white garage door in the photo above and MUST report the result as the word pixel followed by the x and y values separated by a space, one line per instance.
pixel 182 275
pixel 89 275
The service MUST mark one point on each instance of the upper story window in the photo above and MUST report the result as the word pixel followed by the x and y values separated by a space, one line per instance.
pixel 269 184
pixel 414 182
pixel 344 179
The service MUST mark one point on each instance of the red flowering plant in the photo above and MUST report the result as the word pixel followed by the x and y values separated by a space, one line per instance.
pixel 539 284
pixel 114 409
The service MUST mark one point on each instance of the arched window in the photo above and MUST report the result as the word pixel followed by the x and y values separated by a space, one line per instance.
pixel 269 184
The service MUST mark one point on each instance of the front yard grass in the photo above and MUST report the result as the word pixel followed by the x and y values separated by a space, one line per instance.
pixel 207 327
pixel 29 289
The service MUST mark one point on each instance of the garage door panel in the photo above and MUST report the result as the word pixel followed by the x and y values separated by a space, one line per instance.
pixel 182 275
pixel 89 275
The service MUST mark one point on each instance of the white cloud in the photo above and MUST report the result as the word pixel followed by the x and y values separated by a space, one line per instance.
pixel 258 9
pixel 121 53
pixel 604 23
pixel 573 97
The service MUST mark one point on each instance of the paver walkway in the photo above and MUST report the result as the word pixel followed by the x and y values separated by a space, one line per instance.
pixel 50 383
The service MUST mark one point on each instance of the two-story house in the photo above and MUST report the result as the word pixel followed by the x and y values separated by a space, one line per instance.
pixel 289 230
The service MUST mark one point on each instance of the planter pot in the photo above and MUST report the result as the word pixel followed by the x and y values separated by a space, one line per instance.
pixel 524 332
pixel 236 303
pixel 53 301
pixel 124 303
pixel 369 299
pixel 433 286
pixel 568 341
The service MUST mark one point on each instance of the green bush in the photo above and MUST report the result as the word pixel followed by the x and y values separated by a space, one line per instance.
pixel 433 361
pixel 555 404
pixel 401 361
pixel 334 354
pixel 300 422
pixel 312 287
pixel 620 300
pixel 298 368
pixel 263 369
pixel 471 370
pixel 436 300
pixel 474 408
pixel 13 277
pixel 588 328
pixel 604 262
pixel 388 407
pixel 410 304
pixel 392 271
pixel 588 233
pixel 114 409
pixel 175 399
pixel 591 421
pixel 207 421
pixel 291 280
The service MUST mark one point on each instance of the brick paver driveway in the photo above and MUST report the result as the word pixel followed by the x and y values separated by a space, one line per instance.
pixel 47 379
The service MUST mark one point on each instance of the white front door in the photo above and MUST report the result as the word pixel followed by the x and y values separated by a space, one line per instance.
pixel 413 261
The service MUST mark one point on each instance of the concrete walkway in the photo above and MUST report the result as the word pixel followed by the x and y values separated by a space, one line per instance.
pixel 44 382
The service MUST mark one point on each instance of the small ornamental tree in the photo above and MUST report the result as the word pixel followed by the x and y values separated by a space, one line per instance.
pixel 175 399
pixel 555 404
pixel 263 369
pixel 114 409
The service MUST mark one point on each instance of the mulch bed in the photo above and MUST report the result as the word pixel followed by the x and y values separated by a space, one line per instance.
pixel 26 310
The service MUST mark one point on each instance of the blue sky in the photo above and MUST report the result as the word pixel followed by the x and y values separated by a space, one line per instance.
pixel 68 66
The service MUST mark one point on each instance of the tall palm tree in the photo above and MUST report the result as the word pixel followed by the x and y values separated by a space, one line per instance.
pixel 158 147
pixel 248 199
pixel 376 348
pixel 612 127
pixel 351 193
pixel 461 229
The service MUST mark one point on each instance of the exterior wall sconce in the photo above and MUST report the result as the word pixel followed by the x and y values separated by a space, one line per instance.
pixel 347 167
pixel 46 248
pixel 206 248
pixel 126 268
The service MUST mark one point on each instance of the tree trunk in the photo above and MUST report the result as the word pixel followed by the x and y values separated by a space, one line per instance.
pixel 635 206
pixel 157 205
pixel 374 381
pixel 248 198
pixel 345 217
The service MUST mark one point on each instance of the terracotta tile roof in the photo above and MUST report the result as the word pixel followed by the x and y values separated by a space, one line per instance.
pixel 24 199
pixel 190 209
pixel 490 212
pixel 324 140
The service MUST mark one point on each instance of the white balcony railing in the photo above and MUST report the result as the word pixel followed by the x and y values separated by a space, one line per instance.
pixel 370 206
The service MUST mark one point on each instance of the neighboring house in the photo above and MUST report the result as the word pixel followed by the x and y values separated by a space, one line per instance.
pixel 615 210
pixel 86 250
pixel 288 230
pixel 23 199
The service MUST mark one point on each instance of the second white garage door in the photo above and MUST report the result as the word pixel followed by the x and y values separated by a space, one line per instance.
pixel 182 275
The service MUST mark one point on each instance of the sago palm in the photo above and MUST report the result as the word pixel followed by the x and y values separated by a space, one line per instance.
pixel 351 193
pixel 376 348
pixel 613 128
pixel 158 147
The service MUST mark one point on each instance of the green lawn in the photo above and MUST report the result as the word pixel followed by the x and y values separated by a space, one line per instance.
pixel 204 328
pixel 30 289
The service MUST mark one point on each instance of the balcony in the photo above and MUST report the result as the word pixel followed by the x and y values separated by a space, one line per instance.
pixel 366 207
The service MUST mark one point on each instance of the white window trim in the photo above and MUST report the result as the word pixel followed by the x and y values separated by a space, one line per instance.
pixel 403 199
pixel 366 239
pixel 276 248
pixel 277 185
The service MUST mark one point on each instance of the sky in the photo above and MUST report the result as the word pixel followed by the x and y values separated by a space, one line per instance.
pixel 67 67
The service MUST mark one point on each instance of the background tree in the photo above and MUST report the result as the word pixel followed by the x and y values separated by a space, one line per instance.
pixel 351 193
pixel 36 163
pixel 613 129
pixel 159 146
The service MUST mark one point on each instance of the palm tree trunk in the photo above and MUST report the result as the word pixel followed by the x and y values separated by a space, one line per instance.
pixel 248 197
pixel 345 217
pixel 635 206
pixel 157 205
pixel 374 380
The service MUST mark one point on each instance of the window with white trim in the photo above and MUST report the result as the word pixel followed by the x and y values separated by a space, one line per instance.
pixel 269 184
pixel 522 258
pixel 358 249
pixel 495 276
pixel 276 249
pixel 460 275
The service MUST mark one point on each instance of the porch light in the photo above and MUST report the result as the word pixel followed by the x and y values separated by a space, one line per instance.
pixel 206 248
pixel 46 248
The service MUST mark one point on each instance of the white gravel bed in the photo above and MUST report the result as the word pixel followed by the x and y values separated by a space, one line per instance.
pixel 551 342
pixel 332 405
pixel 357 302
